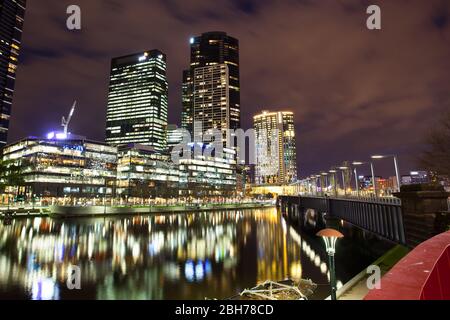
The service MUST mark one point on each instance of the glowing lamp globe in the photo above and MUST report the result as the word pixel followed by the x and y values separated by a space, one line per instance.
pixel 330 237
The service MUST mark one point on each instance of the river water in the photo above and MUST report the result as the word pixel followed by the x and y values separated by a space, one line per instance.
pixel 184 256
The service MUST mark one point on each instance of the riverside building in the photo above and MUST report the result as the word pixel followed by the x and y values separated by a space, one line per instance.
pixel 143 173
pixel 205 175
pixel 275 148
pixel 69 167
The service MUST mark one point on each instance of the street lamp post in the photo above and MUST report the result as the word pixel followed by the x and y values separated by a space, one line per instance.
pixel 374 182
pixel 359 163
pixel 356 181
pixel 330 237
pixel 334 178
pixel 397 174
pixel 309 185
pixel 324 174
pixel 343 169
pixel 318 181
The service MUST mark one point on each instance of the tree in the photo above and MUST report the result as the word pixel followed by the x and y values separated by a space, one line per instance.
pixel 436 158
pixel 10 174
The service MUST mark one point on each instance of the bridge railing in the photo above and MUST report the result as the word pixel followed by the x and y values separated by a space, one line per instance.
pixel 381 216
pixel 384 199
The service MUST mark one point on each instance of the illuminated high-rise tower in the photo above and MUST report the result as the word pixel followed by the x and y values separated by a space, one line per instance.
pixel 138 100
pixel 12 13
pixel 212 53
pixel 211 103
pixel 276 156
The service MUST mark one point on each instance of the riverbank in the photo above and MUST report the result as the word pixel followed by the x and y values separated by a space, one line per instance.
pixel 24 213
pixel 98 211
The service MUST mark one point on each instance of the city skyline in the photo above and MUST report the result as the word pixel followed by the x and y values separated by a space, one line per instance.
pixel 357 117
pixel 226 151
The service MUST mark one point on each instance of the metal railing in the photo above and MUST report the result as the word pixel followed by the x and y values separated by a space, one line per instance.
pixel 363 198
pixel 382 216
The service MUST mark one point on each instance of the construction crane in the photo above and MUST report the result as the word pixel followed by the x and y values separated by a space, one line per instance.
pixel 65 123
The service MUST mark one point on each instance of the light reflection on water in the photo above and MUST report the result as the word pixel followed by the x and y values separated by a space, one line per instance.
pixel 192 256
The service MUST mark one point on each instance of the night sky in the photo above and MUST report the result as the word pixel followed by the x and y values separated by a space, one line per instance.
pixel 355 92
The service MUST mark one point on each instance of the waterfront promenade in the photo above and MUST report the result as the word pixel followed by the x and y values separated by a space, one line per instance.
pixel 95 211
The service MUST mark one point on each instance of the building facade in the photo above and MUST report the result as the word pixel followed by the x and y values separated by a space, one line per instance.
pixel 276 158
pixel 211 102
pixel 144 173
pixel 210 49
pixel 74 167
pixel 174 136
pixel 204 175
pixel 138 100
pixel 416 177
pixel 187 113
pixel 12 14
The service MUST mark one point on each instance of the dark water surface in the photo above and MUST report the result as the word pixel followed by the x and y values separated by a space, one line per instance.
pixel 186 256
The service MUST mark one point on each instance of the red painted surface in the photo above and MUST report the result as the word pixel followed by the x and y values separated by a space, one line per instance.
pixel 424 274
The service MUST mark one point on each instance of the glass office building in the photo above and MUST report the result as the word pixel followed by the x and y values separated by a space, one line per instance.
pixel 276 157
pixel 209 49
pixel 204 175
pixel 138 100
pixel 75 167
pixel 12 13
pixel 143 173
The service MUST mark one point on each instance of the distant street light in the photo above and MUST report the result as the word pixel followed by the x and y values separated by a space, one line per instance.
pixel 374 183
pixel 325 174
pixel 318 180
pixel 330 237
pixel 357 163
pixel 343 179
pixel 334 178
pixel 397 175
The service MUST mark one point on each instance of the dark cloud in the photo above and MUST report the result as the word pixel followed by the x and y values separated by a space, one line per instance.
pixel 354 91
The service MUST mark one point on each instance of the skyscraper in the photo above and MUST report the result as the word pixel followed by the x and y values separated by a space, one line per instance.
pixel 187 116
pixel 12 14
pixel 211 100
pixel 138 100
pixel 275 148
pixel 212 49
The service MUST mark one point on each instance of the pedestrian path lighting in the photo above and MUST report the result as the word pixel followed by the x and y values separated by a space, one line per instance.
pixel 343 169
pixel 397 175
pixel 313 180
pixel 319 181
pixel 333 172
pixel 357 163
pixel 330 237
pixel 374 183
pixel 325 175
